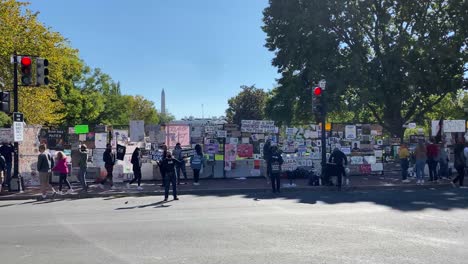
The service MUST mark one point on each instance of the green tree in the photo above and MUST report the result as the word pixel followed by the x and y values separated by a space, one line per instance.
pixel 249 104
pixel 21 32
pixel 141 109
pixel 396 59
pixel 5 120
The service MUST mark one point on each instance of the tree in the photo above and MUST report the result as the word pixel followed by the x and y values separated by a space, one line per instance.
pixel 396 59
pixel 249 104
pixel 141 109
pixel 5 120
pixel 20 31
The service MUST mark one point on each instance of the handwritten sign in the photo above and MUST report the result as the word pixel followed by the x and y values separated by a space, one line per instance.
pixel 258 126
pixel 453 126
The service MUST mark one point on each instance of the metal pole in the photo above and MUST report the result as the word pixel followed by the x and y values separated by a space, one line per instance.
pixel 15 107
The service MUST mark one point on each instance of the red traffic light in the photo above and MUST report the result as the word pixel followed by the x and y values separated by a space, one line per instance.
pixel 25 61
pixel 317 91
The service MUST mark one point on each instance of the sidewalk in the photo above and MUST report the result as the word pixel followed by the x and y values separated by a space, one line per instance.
pixel 228 186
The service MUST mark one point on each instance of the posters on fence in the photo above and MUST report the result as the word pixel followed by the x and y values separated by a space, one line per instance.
pixel 245 150
pixel 137 130
pixel 100 140
pixel 231 152
pixel 177 134
pixel 258 126
pixel 211 148
pixel 55 139
pixel 350 132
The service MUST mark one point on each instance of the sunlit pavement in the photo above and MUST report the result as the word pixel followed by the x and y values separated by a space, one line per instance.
pixel 397 226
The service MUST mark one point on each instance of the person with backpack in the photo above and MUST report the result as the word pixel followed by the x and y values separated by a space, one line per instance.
pixel 177 154
pixel 196 163
pixel 136 162
pixel 338 158
pixel 169 166
pixel 459 164
pixel 62 168
pixel 275 162
pixel 45 163
pixel 83 164
pixel 109 159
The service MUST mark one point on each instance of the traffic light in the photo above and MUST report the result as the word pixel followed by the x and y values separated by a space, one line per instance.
pixel 42 72
pixel 317 104
pixel 5 101
pixel 26 71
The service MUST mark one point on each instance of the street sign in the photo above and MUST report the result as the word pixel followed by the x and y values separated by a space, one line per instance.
pixel 322 84
pixel 18 117
pixel 18 131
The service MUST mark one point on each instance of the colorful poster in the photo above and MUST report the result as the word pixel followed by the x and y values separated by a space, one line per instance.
pixel 137 130
pixel 245 150
pixel 231 152
pixel 177 134
pixel 212 148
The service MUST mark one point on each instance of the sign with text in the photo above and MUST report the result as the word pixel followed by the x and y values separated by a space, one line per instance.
pixel 258 126
pixel 18 131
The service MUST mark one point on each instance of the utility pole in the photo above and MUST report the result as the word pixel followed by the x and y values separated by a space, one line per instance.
pixel 15 109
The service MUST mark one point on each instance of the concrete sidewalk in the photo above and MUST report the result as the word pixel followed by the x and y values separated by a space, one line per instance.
pixel 232 186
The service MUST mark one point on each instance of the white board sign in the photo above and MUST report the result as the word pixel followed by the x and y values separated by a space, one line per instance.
pixel 18 131
pixel 137 130
pixel 350 132
pixel 453 126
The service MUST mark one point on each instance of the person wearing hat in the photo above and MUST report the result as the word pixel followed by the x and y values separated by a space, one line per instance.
pixel 83 164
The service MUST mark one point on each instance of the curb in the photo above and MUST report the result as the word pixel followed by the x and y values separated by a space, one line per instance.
pixel 230 191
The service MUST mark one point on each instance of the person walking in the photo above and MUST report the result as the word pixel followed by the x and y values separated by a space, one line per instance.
pixel 421 158
pixel 62 168
pixel 274 163
pixel 2 171
pixel 443 162
pixel 432 160
pixel 196 163
pixel 45 163
pixel 180 167
pixel 136 162
pixel 109 162
pixel 83 164
pixel 403 154
pixel 340 160
pixel 160 162
pixel 7 150
pixel 460 161
pixel 169 166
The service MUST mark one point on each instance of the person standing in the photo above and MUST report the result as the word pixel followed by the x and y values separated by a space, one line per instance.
pixel 7 150
pixel 136 162
pixel 196 163
pixel 62 168
pixel 169 165
pixel 443 162
pixel 161 170
pixel 2 171
pixel 421 158
pixel 180 167
pixel 340 160
pixel 459 164
pixel 44 166
pixel 83 164
pixel 109 162
pixel 274 164
pixel 403 154
pixel 432 160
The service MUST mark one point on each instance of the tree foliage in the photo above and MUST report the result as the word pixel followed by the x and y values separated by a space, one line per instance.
pixel 249 104
pixel 77 94
pixel 396 59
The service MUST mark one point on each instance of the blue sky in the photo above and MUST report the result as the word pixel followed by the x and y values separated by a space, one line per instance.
pixel 199 51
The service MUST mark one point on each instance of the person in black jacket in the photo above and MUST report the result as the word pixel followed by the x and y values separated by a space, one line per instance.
pixel 161 170
pixel 7 150
pixel 136 162
pixel 109 162
pixel 169 165
pixel 338 158
pixel 274 166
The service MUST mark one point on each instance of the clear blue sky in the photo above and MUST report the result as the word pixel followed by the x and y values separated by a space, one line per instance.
pixel 199 51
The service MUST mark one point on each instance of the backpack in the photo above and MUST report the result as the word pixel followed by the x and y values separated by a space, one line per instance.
pixel 275 165
pixel 196 160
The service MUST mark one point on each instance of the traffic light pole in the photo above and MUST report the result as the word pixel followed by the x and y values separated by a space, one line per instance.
pixel 15 109
pixel 323 120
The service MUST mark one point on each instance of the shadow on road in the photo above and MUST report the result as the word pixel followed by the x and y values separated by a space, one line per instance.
pixel 161 204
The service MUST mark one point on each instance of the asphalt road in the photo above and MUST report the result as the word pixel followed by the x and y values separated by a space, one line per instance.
pixel 423 226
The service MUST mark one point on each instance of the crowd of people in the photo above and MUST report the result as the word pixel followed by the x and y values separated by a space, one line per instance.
pixel 170 165
pixel 436 157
